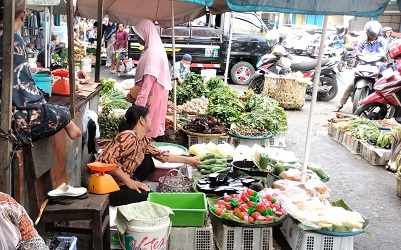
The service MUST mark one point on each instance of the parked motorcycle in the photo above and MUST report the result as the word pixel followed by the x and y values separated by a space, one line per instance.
pixel 350 63
pixel 280 64
pixel 366 74
pixel 385 101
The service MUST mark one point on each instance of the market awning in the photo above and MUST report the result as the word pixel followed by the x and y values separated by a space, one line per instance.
pixel 59 6
pixel 321 7
pixel 130 11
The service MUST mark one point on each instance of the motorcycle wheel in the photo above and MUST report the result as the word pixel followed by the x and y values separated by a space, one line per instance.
pixel 257 84
pixel 333 88
pixel 372 111
pixel 341 66
pixel 359 95
pixel 350 64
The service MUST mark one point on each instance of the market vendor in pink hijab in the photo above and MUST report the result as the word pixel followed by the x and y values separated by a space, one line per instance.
pixel 153 76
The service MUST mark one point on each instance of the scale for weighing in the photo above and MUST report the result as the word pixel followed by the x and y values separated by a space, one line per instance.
pixel 61 86
pixel 100 182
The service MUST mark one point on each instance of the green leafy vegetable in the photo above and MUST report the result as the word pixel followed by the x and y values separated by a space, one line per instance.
pixel 192 87
pixel 108 86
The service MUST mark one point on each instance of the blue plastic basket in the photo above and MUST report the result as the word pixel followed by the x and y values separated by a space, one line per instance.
pixel 72 240
pixel 44 81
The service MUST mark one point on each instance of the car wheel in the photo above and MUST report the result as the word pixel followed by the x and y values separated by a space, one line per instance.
pixel 298 51
pixel 241 73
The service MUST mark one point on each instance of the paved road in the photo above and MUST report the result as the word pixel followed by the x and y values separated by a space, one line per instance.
pixel 365 188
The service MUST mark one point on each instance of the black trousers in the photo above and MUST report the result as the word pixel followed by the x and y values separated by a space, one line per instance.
pixel 127 196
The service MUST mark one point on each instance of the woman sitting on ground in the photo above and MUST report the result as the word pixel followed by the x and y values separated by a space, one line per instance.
pixel 132 152
pixel 33 118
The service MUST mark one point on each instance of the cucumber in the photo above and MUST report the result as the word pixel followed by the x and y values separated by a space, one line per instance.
pixel 206 157
pixel 199 167
pixel 215 169
pixel 226 169
pixel 218 157
pixel 208 162
pixel 320 173
pixel 221 161
pixel 204 171
pixel 208 167
pixel 218 165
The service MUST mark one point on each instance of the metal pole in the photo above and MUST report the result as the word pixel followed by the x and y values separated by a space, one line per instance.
pixel 229 46
pixel 99 39
pixel 313 103
pixel 46 32
pixel 174 81
pixel 51 20
pixel 6 93
pixel 71 62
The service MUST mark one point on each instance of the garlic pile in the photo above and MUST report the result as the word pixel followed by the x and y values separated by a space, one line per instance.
pixel 195 106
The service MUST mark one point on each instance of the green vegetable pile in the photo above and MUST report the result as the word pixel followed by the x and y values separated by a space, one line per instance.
pixel 192 87
pixel 360 128
pixel 263 113
pixel 108 125
pixel 108 86
pixel 225 105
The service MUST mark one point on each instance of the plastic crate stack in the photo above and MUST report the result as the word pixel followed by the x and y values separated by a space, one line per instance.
pixel 244 238
pixel 308 240
pixel 192 140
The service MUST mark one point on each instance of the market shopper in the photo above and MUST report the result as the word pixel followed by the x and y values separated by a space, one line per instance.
pixel 132 152
pixel 16 228
pixel 33 118
pixel 153 76
pixel 120 46
pixel 371 43
pixel 181 68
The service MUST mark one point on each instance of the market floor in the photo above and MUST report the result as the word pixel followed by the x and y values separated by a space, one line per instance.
pixel 367 189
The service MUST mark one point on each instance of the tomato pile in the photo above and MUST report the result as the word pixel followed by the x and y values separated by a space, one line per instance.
pixel 248 207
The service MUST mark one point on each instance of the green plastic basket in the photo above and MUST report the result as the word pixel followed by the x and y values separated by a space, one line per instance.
pixel 189 208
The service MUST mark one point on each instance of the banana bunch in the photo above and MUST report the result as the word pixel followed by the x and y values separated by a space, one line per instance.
pixel 384 141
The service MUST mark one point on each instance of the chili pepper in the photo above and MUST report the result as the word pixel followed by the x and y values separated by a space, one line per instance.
pixel 269 211
pixel 268 218
pixel 243 208
pixel 251 219
pixel 225 215
pixel 253 198
pixel 236 210
pixel 261 207
pixel 234 202
pixel 273 200
pixel 251 210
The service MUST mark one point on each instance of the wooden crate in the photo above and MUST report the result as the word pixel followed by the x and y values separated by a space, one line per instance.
pixel 374 155
pixel 330 129
pixel 338 135
pixel 351 143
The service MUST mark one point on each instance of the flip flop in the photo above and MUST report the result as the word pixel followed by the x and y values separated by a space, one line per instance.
pixel 67 190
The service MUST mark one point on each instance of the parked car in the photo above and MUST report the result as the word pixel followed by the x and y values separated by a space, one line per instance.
pixel 313 47
pixel 208 44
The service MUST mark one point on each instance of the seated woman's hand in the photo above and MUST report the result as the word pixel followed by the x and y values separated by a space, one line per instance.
pixel 137 186
pixel 193 161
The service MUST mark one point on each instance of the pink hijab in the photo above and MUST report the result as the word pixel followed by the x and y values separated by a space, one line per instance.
pixel 153 60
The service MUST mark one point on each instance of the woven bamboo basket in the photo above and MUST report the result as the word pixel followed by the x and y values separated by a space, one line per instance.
pixel 288 91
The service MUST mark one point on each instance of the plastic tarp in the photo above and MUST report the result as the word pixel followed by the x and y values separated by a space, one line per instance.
pixel 321 7
pixel 59 6
pixel 130 11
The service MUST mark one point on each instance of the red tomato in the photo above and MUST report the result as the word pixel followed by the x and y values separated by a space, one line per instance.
pixel 268 218
pixel 261 207
pixel 243 215
pixel 236 210
pixel 243 208
pixel 219 211
pixel 251 219
pixel 279 212
pixel 251 204
pixel 256 215
pixel 227 197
